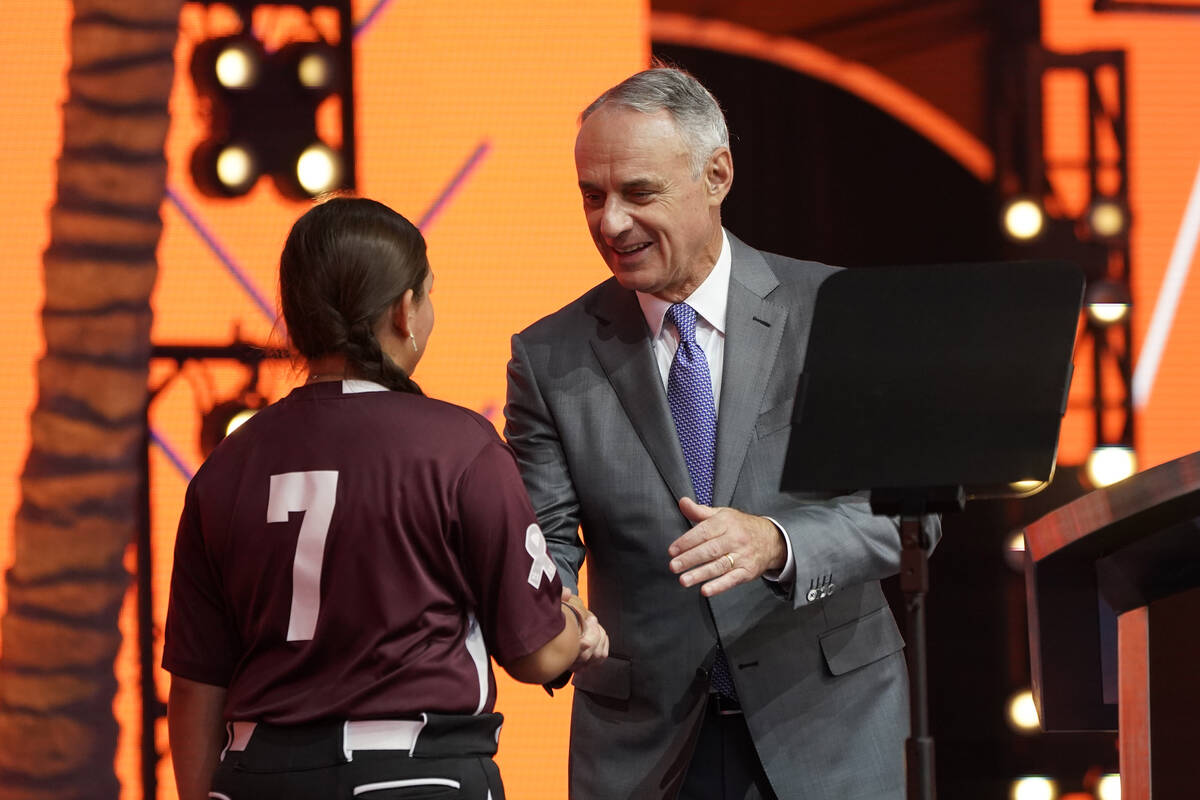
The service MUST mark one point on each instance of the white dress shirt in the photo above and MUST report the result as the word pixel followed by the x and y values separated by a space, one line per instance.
pixel 710 301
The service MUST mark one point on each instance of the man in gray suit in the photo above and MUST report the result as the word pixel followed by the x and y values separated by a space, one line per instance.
pixel 752 652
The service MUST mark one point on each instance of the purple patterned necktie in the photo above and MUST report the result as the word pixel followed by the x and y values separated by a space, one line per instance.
pixel 690 395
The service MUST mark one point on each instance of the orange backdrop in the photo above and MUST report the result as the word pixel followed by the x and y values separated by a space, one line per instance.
pixel 494 88
pixel 1163 69
pixel 490 88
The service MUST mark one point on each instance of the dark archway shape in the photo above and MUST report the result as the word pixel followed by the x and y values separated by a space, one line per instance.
pixel 822 174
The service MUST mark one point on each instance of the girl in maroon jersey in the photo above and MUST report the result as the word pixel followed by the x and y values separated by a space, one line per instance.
pixel 348 559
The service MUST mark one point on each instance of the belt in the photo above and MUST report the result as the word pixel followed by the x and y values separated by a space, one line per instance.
pixel 723 705
pixel 365 734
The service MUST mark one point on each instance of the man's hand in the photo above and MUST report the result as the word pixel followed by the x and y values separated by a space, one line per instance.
pixel 593 639
pixel 724 548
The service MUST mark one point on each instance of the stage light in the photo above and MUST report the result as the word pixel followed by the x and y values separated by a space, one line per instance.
pixel 318 170
pixel 1022 713
pixel 223 169
pixel 1107 301
pixel 235 167
pixel 314 71
pixel 1107 218
pixel 313 65
pixel 1033 787
pixel 226 417
pixel 230 63
pixel 1107 313
pixel 268 102
pixel 1109 787
pixel 1110 463
pixel 1014 551
pixel 1027 487
pixel 239 419
pixel 1023 219
pixel 237 66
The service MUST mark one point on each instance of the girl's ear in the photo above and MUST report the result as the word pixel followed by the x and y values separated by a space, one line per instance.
pixel 402 312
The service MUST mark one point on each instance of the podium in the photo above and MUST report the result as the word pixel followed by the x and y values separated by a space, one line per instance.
pixel 1113 588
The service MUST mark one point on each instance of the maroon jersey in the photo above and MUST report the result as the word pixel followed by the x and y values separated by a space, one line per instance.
pixel 356 553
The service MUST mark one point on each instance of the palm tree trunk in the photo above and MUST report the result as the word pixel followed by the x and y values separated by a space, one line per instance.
pixel 80 508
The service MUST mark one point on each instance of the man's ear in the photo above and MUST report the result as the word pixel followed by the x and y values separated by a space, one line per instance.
pixel 402 313
pixel 718 174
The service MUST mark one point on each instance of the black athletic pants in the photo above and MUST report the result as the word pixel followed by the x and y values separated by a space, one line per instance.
pixel 451 759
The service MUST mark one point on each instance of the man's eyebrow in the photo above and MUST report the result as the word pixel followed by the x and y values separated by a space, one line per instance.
pixel 639 183
pixel 636 183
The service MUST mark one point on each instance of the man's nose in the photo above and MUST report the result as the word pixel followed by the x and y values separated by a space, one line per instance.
pixel 614 220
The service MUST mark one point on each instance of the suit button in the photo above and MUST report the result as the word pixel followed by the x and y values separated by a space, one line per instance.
pixel 812 595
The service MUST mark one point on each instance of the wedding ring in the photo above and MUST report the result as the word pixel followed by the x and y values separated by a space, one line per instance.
pixel 729 557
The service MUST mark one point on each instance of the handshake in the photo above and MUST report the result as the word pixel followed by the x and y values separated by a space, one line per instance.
pixel 593 639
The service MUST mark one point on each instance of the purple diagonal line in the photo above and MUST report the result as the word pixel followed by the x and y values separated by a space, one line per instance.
pixel 455 184
pixel 172 456
pixel 230 266
pixel 367 21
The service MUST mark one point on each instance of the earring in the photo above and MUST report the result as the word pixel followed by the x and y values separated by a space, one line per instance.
pixel 412 338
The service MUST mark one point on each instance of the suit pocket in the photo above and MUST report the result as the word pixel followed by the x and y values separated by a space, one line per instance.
pixel 774 420
pixel 862 641
pixel 610 678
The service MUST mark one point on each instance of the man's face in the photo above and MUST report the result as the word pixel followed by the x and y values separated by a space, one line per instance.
pixel 657 227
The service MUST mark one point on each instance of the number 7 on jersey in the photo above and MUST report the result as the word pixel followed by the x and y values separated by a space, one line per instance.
pixel 314 493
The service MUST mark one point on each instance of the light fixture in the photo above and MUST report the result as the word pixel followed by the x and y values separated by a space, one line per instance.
pixel 228 64
pixel 1109 787
pixel 235 166
pixel 312 65
pixel 1014 551
pixel 262 108
pixel 226 417
pixel 224 169
pixel 1033 787
pixel 318 170
pixel 1022 713
pixel 1023 219
pixel 1107 464
pixel 1107 218
pixel 237 67
pixel 1107 301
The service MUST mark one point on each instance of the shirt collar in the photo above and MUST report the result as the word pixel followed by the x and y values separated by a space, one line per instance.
pixel 709 300
pixel 357 386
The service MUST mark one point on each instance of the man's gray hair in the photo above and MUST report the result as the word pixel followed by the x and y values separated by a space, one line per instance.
pixel 695 111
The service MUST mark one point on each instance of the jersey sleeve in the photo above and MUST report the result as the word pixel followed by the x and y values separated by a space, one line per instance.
pixel 199 642
pixel 516 585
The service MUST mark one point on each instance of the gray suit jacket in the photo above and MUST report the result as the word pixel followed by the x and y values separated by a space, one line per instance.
pixel 820 670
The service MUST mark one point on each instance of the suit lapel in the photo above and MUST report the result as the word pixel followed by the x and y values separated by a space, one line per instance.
pixel 622 345
pixel 753 331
